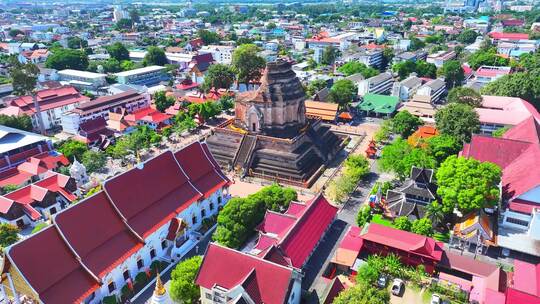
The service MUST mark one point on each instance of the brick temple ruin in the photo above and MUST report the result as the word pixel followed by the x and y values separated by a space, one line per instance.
pixel 271 137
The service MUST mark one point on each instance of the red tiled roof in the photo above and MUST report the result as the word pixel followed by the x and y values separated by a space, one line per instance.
pixel 57 182
pixel 518 297
pixel 301 240
pixel 527 130
pixel 101 247
pixel 499 151
pixel 509 36
pixel 522 206
pixel 276 223
pixel 264 281
pixel 403 240
pixel 54 273
pixel 518 177
pixel 526 277
pixel 49 99
pixel 352 240
pixel 206 176
pixel 146 210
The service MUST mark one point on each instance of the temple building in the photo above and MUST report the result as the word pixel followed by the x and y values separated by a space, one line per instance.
pixel 270 136
pixel 97 246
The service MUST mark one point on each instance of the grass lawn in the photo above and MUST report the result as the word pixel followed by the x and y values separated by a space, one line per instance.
pixel 378 219
pixel 442 237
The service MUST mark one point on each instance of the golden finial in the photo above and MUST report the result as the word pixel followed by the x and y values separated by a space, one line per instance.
pixel 160 289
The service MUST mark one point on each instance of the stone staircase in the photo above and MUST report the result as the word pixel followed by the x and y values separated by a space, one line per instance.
pixel 244 152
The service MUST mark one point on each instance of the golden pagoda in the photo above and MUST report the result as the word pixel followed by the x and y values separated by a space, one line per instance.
pixel 160 293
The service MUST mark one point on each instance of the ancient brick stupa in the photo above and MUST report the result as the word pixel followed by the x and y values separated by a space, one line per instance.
pixel 270 136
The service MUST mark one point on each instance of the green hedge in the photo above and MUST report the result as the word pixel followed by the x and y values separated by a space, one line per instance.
pixel 110 300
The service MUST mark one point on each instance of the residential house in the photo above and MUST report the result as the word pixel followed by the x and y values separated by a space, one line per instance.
pixel 435 89
pixel 220 53
pixel 53 103
pixel 151 212
pixel 486 74
pixel 406 88
pixel 199 65
pixel 439 58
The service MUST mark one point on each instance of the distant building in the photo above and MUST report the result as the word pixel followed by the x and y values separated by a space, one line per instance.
pixel 220 53
pixel 500 111
pixel 380 84
pixel 486 74
pixel 378 105
pixel 371 58
pixel 83 80
pixel 148 76
pixel 439 58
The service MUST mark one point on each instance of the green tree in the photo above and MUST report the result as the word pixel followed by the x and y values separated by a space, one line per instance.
pixel 9 234
pixel 15 32
pixel 442 146
pixel 76 42
pixel 404 123
pixel 124 24
pixel 343 92
pixel 404 68
pixel 426 69
pixel 93 161
pixel 154 56
pixel 456 189
pixel 524 85
pixel 368 274
pixel 402 223
pixel 23 122
pixel 329 55
pixel 458 120
pixel 356 167
pixel 453 73
pixel 486 57
pixel 127 65
pixel 219 76
pixel 62 59
pixel 247 64
pixel 364 216
pixel 208 37
pixel 363 293
pixel 422 226
pixel 355 67
pixel 435 212
pixel 118 51
pixel 399 157
pixel 465 95
pixel 315 86
pixel 388 56
pixel 183 288
pixel 72 149
pixel 467 36
pixel 416 44
pixel 8 188
pixel 162 101
pixel 384 132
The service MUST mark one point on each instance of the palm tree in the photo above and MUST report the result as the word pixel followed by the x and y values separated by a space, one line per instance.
pixel 435 213
pixel 24 77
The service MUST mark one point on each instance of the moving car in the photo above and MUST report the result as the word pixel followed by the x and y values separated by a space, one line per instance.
pixel 382 281
pixel 397 287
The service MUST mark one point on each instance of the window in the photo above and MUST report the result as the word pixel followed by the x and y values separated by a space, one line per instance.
pixel 152 253
pixel 140 263
pixel 194 219
pixel 517 221
pixel 111 287
pixel 208 296
pixel 211 206
pixel 53 210
pixel 219 200
pixel 126 274
pixel 163 244
pixel 203 213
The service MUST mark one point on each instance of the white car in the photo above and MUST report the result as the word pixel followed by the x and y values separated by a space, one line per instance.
pixel 397 287
pixel 435 299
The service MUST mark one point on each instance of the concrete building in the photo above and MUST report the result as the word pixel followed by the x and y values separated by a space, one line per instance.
pixel 439 58
pixel 150 75
pixel 380 84
pixel 83 80
pixel 220 53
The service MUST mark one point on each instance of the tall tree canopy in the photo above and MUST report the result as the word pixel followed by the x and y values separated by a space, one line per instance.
pixel 398 157
pixel 404 123
pixel 162 101
pixel 183 288
pixel 487 57
pixel 219 76
pixel 467 36
pixel 247 63
pixel 355 67
pixel 465 95
pixel 62 59
pixel 458 120
pixel 442 146
pixel 23 122
pixel 24 77
pixel 208 37
pixel 524 85
pixel 118 51
pixel 329 55
pixel 154 56
pixel 453 73
pixel 343 92
pixel 363 293
pixel 467 184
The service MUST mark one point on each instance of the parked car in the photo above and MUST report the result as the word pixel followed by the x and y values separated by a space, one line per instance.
pixel 382 281
pixel 397 287
pixel 435 299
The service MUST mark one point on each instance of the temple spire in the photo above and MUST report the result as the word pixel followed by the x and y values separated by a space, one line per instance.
pixel 160 293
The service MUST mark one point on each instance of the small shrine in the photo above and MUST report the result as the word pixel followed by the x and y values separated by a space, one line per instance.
pixel 371 150
pixel 78 172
